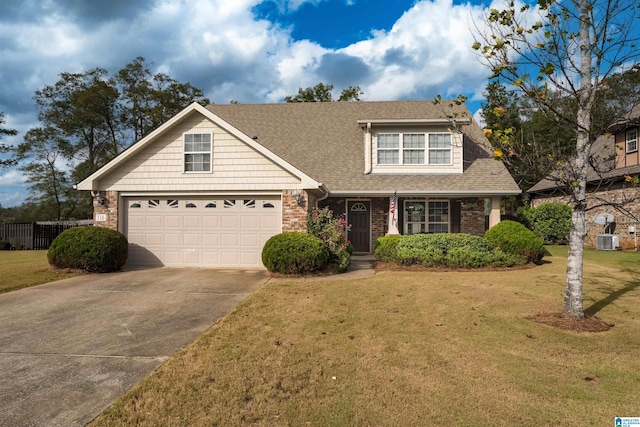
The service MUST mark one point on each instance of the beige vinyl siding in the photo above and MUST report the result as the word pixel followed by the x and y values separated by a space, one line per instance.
pixel 235 166
pixel 456 152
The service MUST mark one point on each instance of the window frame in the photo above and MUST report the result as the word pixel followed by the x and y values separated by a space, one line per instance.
pixel 403 149
pixel 634 140
pixel 424 225
pixel 186 153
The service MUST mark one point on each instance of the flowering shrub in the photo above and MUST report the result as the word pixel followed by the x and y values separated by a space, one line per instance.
pixel 333 232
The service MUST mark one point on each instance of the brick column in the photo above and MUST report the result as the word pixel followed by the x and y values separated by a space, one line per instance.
pixel 472 216
pixel 106 214
pixel 293 215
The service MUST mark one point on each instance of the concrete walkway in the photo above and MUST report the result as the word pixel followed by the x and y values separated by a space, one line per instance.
pixel 361 268
pixel 70 348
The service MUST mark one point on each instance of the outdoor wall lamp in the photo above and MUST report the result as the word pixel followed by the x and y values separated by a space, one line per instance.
pixel 98 197
pixel 299 198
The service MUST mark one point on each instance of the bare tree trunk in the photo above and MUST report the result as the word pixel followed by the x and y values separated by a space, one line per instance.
pixel 573 288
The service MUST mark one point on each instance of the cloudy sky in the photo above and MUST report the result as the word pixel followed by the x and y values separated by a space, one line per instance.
pixel 252 51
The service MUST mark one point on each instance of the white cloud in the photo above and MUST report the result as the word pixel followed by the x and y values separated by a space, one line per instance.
pixel 12 178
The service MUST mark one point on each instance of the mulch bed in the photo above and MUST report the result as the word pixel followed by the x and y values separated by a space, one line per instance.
pixel 391 266
pixel 570 323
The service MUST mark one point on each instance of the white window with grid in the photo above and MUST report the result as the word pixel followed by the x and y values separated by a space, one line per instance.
pixel 388 149
pixel 632 140
pixel 426 216
pixel 439 148
pixel 197 152
pixel 414 149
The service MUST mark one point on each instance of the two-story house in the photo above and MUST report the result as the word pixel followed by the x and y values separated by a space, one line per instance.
pixel 612 190
pixel 211 185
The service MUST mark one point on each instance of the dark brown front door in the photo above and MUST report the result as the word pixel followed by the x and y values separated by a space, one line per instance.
pixel 360 219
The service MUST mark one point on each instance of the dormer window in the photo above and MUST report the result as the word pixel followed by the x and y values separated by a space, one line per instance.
pixel 411 149
pixel 632 140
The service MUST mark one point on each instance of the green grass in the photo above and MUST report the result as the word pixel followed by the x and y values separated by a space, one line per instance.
pixel 21 269
pixel 407 349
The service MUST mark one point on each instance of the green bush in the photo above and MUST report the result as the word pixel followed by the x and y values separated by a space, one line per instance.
pixel 4 246
pixel 333 232
pixel 515 239
pixel 294 253
pixel 457 250
pixel 386 248
pixel 93 249
pixel 550 221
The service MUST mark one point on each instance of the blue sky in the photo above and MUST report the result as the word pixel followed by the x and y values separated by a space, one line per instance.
pixel 252 51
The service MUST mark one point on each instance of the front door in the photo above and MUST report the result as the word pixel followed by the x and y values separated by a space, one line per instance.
pixel 360 219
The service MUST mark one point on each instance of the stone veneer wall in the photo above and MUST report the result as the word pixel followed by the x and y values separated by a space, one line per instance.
pixel 622 221
pixel 109 208
pixel 294 216
pixel 472 218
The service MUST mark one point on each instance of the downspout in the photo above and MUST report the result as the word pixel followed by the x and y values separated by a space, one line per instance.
pixel 367 149
pixel 325 190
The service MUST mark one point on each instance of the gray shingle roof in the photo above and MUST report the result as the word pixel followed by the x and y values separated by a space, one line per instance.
pixel 603 153
pixel 325 141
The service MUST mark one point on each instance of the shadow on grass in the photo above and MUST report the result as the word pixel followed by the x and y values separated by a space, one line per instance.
pixel 594 308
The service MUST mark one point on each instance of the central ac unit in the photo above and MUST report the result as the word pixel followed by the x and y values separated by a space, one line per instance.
pixel 607 242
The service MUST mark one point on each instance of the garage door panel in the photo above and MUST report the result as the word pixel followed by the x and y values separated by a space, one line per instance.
pixel 210 220
pixel 250 240
pixel 269 222
pixel 229 240
pixel 205 232
pixel 173 239
pixel 192 257
pixel 191 239
pixel 228 221
pixel 153 239
pixel 210 239
pixel 172 221
pixel 251 222
pixel 153 221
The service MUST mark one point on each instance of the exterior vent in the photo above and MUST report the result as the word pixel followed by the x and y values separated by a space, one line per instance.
pixel 607 242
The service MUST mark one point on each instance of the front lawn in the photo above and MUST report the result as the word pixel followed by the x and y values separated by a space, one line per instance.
pixel 21 269
pixel 407 349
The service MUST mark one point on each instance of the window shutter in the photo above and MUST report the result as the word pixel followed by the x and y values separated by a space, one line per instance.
pixel 455 216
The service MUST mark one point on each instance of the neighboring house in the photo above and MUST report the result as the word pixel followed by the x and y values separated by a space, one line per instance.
pixel 615 160
pixel 211 185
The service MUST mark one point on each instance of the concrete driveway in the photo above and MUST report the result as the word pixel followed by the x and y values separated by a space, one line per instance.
pixel 69 348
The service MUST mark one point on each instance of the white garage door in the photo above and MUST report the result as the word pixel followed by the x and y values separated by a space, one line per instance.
pixel 227 232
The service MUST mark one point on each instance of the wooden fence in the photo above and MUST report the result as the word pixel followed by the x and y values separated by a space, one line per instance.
pixel 34 235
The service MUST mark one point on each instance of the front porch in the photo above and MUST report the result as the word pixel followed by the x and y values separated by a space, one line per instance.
pixel 369 216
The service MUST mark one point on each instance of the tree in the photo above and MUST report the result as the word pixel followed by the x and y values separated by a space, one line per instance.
pixel 83 108
pixel 322 93
pixel 94 117
pixel 569 50
pixel 3 147
pixel 42 150
pixel 149 100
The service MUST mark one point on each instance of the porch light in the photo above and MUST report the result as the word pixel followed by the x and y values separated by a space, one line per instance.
pixel 299 198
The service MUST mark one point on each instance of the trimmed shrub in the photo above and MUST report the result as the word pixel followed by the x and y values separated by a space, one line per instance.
pixel 514 238
pixel 4 246
pixel 294 253
pixel 387 247
pixel 93 249
pixel 550 221
pixel 458 250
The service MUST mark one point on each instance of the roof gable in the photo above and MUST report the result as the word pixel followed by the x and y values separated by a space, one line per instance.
pixel 90 183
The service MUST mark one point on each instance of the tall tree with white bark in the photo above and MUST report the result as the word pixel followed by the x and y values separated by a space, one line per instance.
pixel 568 48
